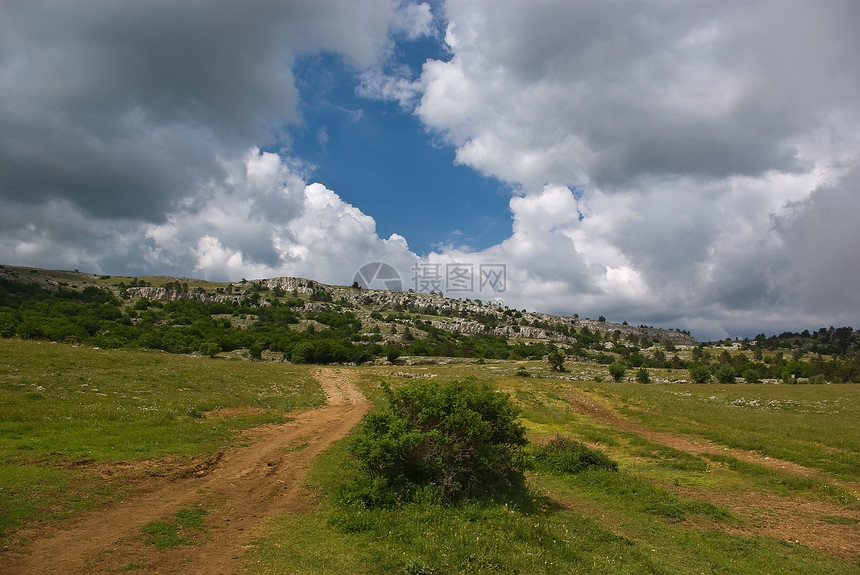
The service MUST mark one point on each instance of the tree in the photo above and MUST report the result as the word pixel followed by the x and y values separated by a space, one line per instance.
pixel 617 370
pixel 449 441
pixel 303 352
pixel 642 376
pixel 697 353
pixel 725 374
pixel 757 354
pixel 392 353
pixel 700 373
pixel 210 348
pixel 556 360
pixel 751 375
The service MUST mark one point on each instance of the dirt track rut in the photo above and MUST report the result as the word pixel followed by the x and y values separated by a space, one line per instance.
pixel 783 517
pixel 240 488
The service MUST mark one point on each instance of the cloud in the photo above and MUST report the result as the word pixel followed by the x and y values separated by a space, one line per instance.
pixel 130 134
pixel 393 80
pixel 695 142
pixel 629 90
pixel 414 20
pixel 819 257
pixel 58 235
pixel 376 84
pixel 122 109
pixel 287 228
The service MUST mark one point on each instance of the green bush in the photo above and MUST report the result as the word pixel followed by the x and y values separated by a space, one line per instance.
pixel 700 373
pixel 556 361
pixel 617 370
pixel 642 376
pixel 564 455
pixel 444 442
pixel 725 374
pixel 752 376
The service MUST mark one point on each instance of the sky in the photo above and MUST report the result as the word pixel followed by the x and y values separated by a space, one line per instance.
pixel 689 165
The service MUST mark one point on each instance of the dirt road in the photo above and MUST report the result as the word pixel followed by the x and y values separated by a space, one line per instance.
pixel 822 525
pixel 240 488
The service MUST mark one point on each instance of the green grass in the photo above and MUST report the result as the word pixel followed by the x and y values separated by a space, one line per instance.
pixel 595 521
pixel 64 407
pixel 811 425
pixel 181 531
pixel 48 493
pixel 666 457
pixel 766 479
pixel 631 521
pixel 633 495
pixel 58 401
pixel 591 522
pixel 421 540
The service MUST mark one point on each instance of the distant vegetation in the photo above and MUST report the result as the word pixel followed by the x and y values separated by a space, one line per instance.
pixel 790 360
pixel 320 324
pixel 96 316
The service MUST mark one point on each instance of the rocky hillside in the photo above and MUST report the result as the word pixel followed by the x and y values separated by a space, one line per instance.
pixel 447 314
pixel 374 308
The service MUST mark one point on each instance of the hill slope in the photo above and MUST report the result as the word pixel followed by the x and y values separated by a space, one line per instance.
pixel 406 315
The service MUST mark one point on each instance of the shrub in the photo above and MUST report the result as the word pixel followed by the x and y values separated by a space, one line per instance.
pixel 700 373
pixel 210 348
pixel 303 352
pixel 642 376
pixel 447 442
pixel 725 374
pixel 556 361
pixel 751 376
pixel 617 370
pixel 564 455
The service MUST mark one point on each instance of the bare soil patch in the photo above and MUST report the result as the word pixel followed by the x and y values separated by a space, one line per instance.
pixel 240 487
pixel 823 526
pixel 827 527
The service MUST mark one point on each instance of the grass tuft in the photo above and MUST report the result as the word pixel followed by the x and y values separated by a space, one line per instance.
pixel 565 455
pixel 164 535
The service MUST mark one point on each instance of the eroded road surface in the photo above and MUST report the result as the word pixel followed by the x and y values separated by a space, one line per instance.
pixel 240 488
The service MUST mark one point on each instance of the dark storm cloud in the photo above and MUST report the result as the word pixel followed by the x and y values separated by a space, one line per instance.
pixel 702 89
pixel 122 107
pixel 698 135
pixel 819 256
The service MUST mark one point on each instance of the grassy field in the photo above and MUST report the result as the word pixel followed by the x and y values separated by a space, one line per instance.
pixel 712 478
pixel 64 408
pixel 666 511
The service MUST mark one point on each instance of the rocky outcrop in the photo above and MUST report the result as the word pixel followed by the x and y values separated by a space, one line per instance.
pixel 458 315
pixel 162 294
pixel 449 314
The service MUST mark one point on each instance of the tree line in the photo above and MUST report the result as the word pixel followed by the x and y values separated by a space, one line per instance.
pixel 98 317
